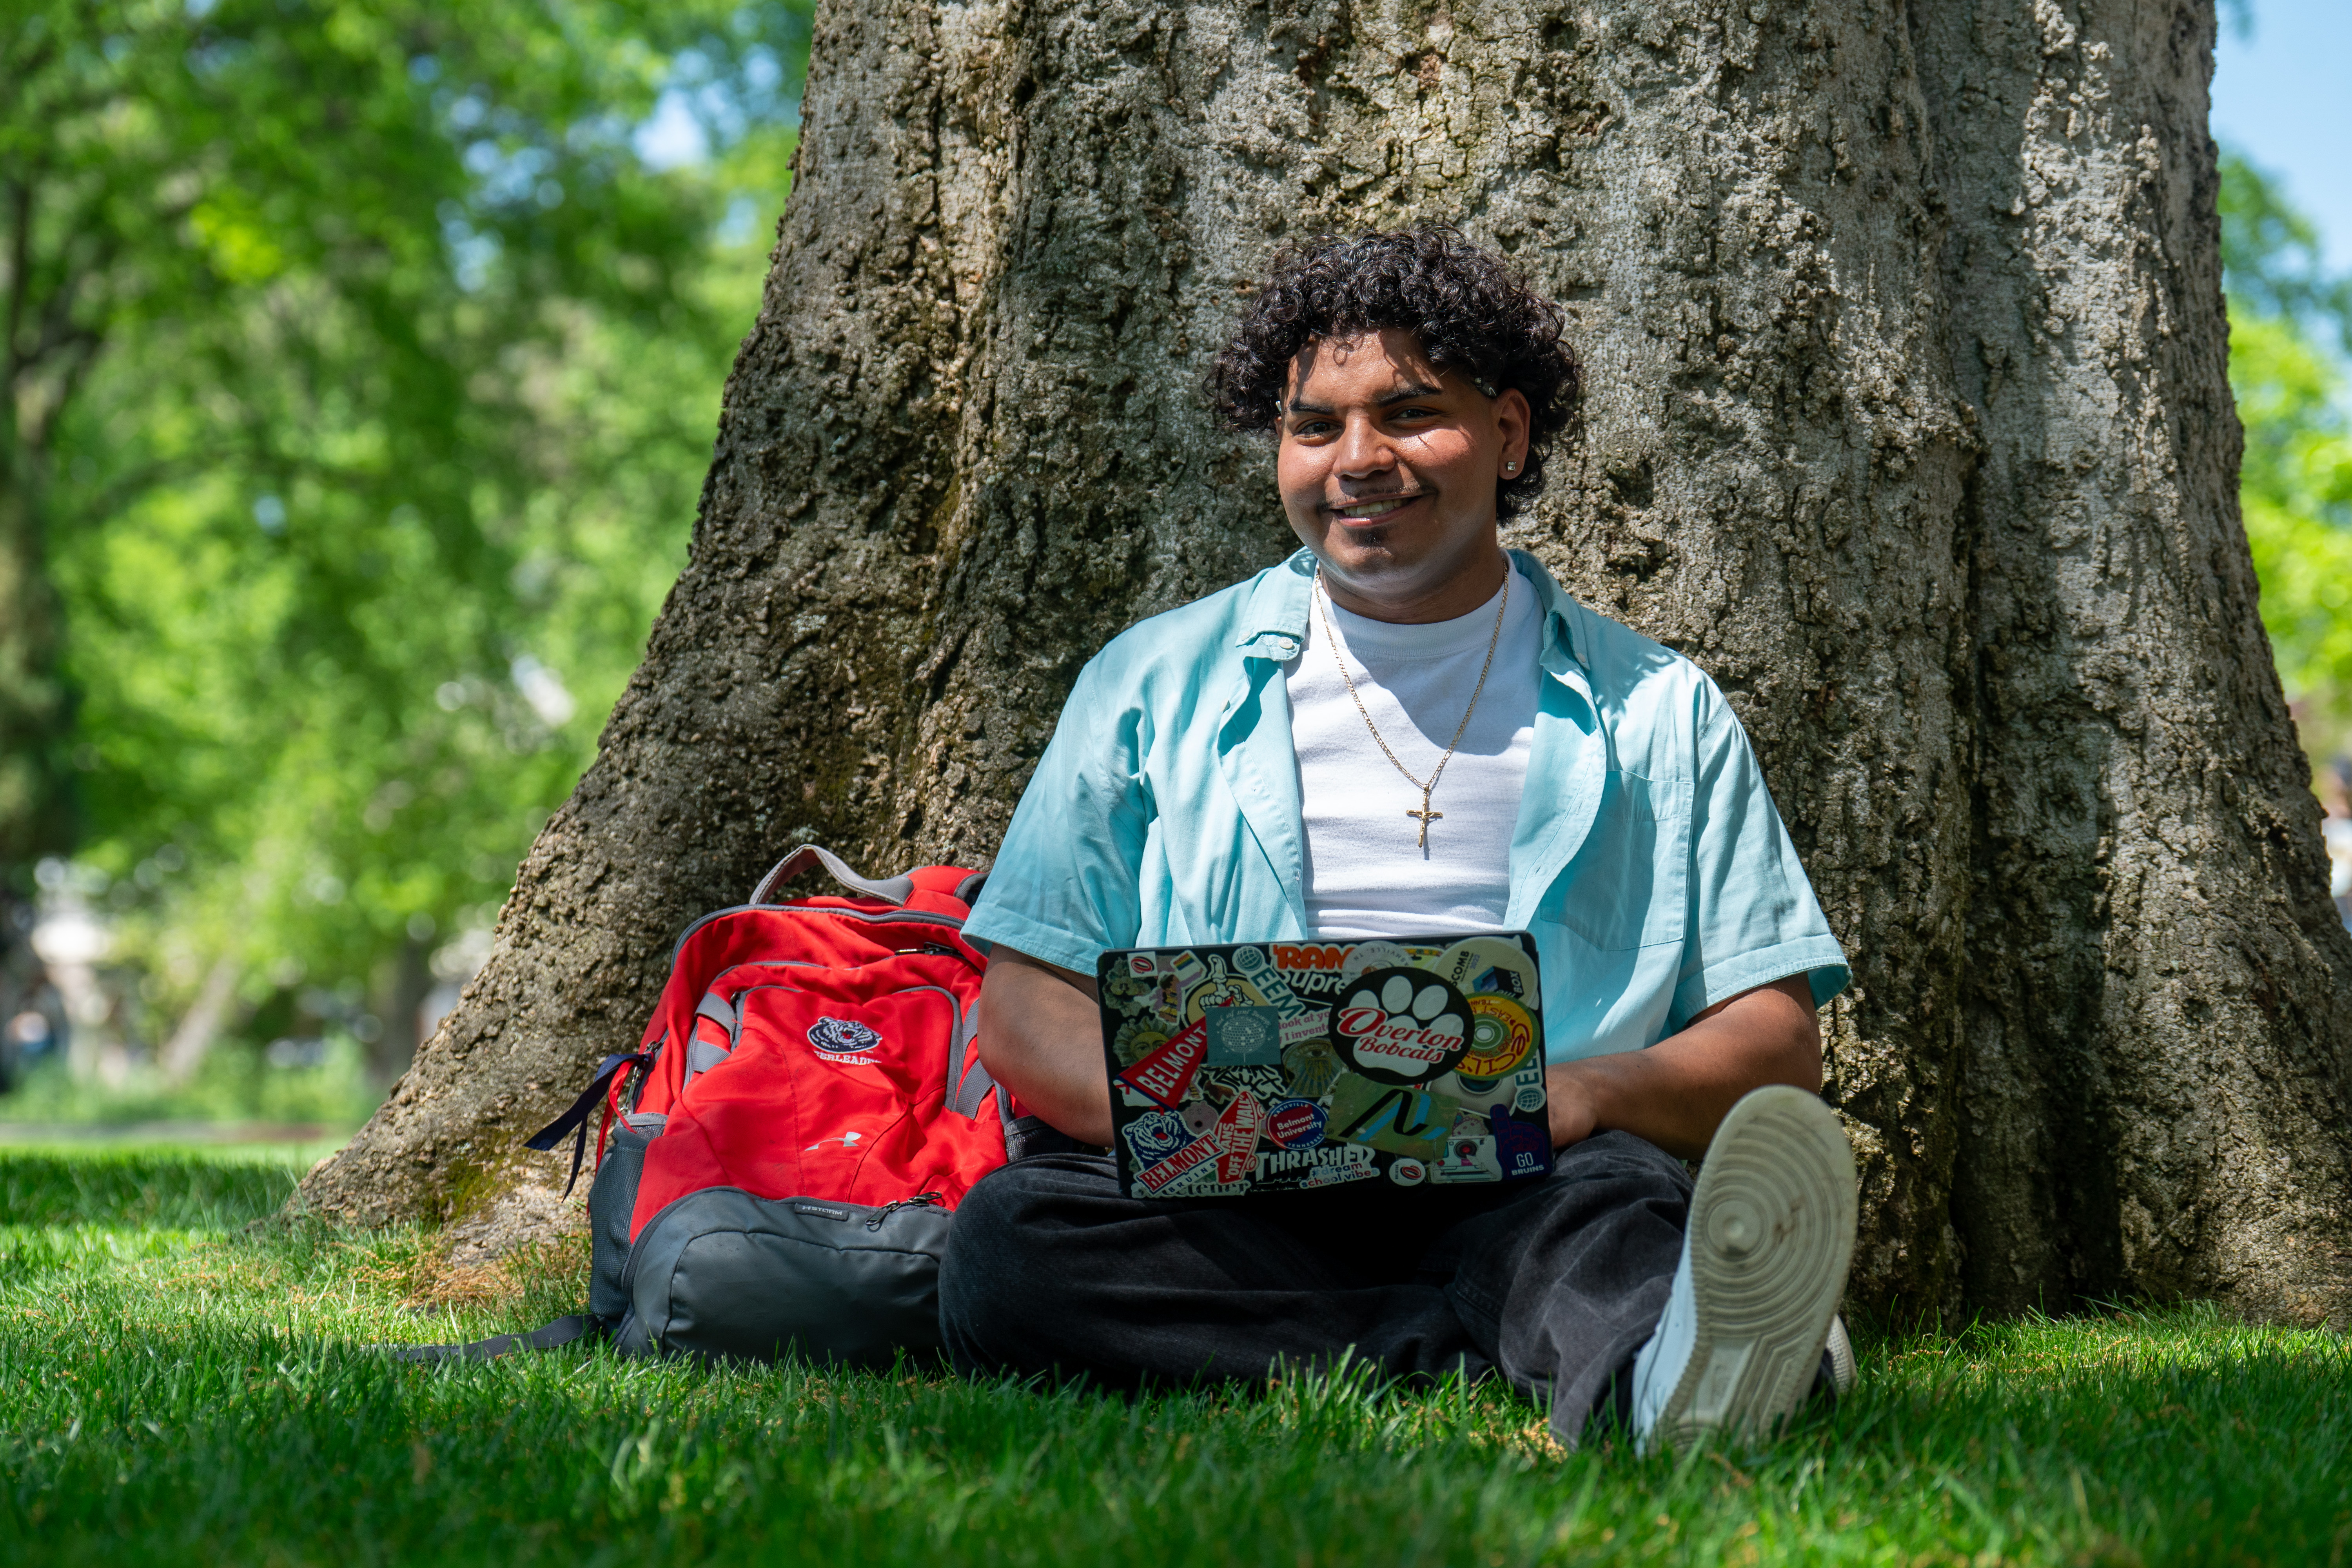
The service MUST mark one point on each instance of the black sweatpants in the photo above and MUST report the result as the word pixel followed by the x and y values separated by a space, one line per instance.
pixel 1554 1285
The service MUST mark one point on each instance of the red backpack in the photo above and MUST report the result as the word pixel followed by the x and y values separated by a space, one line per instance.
pixel 788 1141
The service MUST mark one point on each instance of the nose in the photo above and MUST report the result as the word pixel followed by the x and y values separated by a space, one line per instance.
pixel 1364 449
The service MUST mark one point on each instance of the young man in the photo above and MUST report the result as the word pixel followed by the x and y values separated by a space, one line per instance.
pixel 1406 729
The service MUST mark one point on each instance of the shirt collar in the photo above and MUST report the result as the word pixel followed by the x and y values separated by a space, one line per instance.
pixel 1273 625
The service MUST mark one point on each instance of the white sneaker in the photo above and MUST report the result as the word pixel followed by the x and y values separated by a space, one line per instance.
pixel 1763 1268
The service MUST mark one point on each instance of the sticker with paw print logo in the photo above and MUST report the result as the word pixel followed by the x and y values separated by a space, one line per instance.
pixel 1400 1025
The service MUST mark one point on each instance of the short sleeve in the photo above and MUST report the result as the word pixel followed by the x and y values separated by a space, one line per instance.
pixel 1066 884
pixel 1753 916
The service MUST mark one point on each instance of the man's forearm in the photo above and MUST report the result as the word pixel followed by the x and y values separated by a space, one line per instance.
pixel 1678 1092
pixel 1040 1037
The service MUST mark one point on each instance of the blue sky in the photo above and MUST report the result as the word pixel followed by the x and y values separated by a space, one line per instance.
pixel 2280 96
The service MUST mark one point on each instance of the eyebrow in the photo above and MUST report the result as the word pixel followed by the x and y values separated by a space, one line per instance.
pixel 1387 400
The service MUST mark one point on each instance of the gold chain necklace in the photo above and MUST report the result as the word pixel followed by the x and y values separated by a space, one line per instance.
pixel 1424 814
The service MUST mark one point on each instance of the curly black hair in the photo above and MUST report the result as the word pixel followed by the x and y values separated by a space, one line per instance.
pixel 1474 314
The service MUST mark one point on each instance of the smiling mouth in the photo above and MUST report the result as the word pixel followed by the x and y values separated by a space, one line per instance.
pixel 1372 508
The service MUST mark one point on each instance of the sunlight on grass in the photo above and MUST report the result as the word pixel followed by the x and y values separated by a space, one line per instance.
pixel 178 1381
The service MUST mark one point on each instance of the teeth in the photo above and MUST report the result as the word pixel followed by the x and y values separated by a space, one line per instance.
pixel 1370 508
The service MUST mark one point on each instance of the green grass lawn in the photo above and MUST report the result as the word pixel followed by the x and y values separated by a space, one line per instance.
pixel 175 1388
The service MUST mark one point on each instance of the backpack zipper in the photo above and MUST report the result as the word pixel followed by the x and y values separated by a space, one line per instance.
pixel 919 1201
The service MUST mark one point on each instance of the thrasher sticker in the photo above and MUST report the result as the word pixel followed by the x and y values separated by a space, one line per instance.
pixel 1279 1162
pixel 843 1039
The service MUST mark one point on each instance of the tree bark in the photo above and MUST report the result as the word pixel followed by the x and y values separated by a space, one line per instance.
pixel 1907 420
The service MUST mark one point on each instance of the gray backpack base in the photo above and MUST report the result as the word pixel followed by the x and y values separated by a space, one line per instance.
pixel 722 1274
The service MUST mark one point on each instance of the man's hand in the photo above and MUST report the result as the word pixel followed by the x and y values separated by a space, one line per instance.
pixel 1678 1092
pixel 1040 1037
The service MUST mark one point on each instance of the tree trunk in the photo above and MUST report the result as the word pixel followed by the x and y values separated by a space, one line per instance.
pixel 35 712
pixel 1907 420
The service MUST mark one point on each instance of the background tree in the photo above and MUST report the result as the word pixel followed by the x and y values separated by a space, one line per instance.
pixel 1908 421
pixel 358 375
pixel 2290 324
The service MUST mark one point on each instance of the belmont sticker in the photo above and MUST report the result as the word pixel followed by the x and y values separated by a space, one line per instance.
pixel 1166 1073
pixel 1155 1135
pixel 1295 1123
pixel 1400 1025
pixel 1159 1178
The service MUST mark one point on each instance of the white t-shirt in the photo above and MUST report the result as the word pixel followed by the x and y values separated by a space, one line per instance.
pixel 1366 873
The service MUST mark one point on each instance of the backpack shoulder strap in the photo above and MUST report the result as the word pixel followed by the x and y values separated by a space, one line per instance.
pixel 944 889
pixel 562 1332
pixel 939 889
pixel 891 890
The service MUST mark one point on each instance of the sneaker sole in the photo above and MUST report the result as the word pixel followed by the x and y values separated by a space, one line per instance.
pixel 1772 1235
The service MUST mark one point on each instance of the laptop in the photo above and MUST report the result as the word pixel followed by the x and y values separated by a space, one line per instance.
pixel 1263 1067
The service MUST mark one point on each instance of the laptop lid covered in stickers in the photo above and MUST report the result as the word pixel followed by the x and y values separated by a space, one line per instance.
pixel 1280 1066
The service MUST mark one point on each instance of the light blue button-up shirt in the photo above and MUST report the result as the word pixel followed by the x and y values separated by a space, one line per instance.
pixel 1648 859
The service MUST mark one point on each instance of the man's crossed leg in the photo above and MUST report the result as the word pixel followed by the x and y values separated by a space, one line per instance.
pixel 1562 1286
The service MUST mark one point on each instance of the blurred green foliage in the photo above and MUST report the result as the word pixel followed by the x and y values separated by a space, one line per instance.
pixel 2289 325
pixel 362 364
pixel 363 359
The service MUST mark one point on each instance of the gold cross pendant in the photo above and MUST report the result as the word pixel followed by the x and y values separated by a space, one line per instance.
pixel 1427 817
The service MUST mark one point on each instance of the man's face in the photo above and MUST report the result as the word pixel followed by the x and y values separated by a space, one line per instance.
pixel 1388 471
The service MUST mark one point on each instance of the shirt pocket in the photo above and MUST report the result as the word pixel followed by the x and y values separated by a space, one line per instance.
pixel 1629 884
